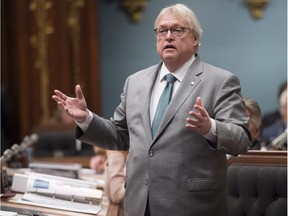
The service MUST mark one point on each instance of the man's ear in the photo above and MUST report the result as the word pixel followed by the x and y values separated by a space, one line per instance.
pixel 196 40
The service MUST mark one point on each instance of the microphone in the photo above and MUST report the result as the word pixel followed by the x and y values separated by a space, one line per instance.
pixel 16 149
pixel 7 154
pixel 28 150
pixel 28 141
pixel 34 137
pixel 280 140
pixel 23 144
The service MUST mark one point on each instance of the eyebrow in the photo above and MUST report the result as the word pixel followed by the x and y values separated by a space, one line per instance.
pixel 172 26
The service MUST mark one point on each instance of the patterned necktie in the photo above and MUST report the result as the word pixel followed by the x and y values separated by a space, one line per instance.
pixel 163 102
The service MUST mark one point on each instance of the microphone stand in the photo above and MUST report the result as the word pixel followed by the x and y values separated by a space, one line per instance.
pixel 279 141
pixel 14 158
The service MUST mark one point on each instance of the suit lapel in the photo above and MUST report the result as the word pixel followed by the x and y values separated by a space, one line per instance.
pixel 145 96
pixel 186 87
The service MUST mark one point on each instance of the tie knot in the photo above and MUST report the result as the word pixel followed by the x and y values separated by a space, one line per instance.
pixel 170 78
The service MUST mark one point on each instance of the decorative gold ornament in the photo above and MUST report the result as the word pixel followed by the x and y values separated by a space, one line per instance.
pixel 134 8
pixel 257 7
pixel 39 41
pixel 73 24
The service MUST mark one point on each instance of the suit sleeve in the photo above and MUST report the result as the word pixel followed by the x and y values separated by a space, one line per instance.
pixel 231 119
pixel 111 134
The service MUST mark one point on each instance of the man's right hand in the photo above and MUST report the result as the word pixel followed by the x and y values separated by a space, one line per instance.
pixel 76 108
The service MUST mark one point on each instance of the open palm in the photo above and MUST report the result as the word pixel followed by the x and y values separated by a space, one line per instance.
pixel 76 107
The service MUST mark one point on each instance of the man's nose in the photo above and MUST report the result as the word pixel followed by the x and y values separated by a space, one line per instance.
pixel 169 33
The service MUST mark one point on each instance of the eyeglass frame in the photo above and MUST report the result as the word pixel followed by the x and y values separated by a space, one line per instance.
pixel 172 31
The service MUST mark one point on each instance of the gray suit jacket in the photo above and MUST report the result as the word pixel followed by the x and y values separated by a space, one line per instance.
pixel 179 171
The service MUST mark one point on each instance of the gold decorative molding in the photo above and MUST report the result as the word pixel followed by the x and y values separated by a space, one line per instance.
pixel 134 8
pixel 74 26
pixel 257 7
pixel 40 42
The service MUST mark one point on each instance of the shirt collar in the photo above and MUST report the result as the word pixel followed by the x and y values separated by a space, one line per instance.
pixel 179 73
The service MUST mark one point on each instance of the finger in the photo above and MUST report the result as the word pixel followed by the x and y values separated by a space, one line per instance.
pixel 201 110
pixel 199 101
pixel 198 105
pixel 60 95
pixel 193 122
pixel 197 116
pixel 78 92
pixel 193 126
pixel 190 126
pixel 56 98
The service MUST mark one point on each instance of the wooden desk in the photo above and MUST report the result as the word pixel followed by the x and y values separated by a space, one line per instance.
pixel 260 157
pixel 83 160
pixel 107 208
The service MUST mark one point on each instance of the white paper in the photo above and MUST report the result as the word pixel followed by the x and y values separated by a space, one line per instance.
pixel 8 213
pixel 38 200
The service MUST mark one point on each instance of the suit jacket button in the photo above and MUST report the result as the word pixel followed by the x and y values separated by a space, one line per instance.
pixel 151 153
pixel 146 182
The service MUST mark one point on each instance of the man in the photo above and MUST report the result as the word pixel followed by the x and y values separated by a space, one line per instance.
pixel 181 169
pixel 275 115
pixel 272 134
pixel 253 111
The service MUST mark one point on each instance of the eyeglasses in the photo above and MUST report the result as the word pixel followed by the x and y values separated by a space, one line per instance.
pixel 175 31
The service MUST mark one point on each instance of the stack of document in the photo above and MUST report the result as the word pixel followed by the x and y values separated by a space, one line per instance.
pixel 8 213
pixel 69 170
pixel 58 192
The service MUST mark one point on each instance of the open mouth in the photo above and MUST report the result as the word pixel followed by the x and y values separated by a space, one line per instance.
pixel 169 47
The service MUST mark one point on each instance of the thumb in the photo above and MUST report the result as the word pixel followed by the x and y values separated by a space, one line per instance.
pixel 199 101
pixel 78 92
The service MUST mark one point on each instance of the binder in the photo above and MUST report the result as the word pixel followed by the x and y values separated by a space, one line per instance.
pixel 47 202
pixel 58 192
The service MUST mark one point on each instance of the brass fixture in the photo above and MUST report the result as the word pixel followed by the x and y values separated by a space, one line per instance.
pixel 257 7
pixel 134 8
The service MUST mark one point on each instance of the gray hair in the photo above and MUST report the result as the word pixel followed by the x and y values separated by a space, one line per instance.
pixel 184 13
pixel 254 108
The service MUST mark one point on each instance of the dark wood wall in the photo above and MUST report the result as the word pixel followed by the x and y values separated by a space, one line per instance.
pixel 47 44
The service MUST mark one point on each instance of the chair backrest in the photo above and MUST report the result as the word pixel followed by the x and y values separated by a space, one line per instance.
pixel 59 140
pixel 257 184
pixel 51 143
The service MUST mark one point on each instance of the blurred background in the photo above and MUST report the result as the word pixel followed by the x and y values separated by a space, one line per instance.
pixel 55 44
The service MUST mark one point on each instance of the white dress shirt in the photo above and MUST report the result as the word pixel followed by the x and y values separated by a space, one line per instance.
pixel 156 93
pixel 160 84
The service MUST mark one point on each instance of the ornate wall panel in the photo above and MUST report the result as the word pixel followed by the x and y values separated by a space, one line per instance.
pixel 48 44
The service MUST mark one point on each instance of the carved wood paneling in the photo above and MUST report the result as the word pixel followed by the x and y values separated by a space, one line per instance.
pixel 72 57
